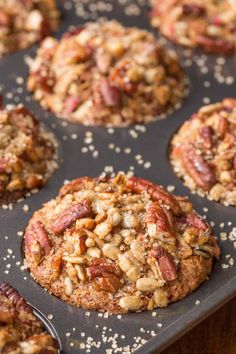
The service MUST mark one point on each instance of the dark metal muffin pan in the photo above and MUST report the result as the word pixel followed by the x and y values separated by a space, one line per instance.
pixel 80 331
pixel 48 327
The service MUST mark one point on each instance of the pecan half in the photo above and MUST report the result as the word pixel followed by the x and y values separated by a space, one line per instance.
pixel 70 215
pixel 37 232
pixel 197 168
pixel 159 216
pixel 140 185
pixel 17 300
pixel 166 263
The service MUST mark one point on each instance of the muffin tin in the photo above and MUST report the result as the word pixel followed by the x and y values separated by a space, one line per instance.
pixel 142 150
pixel 47 326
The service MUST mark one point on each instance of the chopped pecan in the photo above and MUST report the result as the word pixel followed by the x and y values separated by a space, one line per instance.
pixel 229 104
pixel 44 82
pixel 82 245
pixel 70 215
pixel 74 186
pixel 110 94
pixel 193 10
pixel 194 220
pixel 28 124
pixel 103 61
pixel 37 232
pixel 105 274
pixel 3 165
pixel 17 300
pixel 34 181
pixel 108 282
pixel 206 134
pixel 45 28
pixel 223 126
pixel 216 46
pixel 197 168
pixel 166 263
pixel 73 32
pixel 234 162
pixel 5 19
pixel 71 103
pixel 56 266
pixel 140 185
pixel 119 76
pixel 95 271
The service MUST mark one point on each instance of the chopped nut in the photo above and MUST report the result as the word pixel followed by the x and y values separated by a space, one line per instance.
pixel 131 303
pixel 161 298
pixel 94 252
pixel 69 288
pixel 110 251
pixel 147 284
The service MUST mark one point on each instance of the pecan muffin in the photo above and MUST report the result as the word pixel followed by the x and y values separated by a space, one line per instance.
pixel 24 22
pixel 106 74
pixel 203 152
pixel 20 331
pixel 210 25
pixel 27 154
pixel 119 245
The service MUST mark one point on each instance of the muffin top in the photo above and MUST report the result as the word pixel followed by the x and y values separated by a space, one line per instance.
pixel 106 74
pixel 203 151
pixel 20 331
pixel 210 24
pixel 27 153
pixel 24 22
pixel 118 245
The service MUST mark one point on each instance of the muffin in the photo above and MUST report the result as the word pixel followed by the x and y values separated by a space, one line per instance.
pixel 27 154
pixel 209 25
pixel 203 152
pixel 25 22
pixel 20 331
pixel 119 244
pixel 106 74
